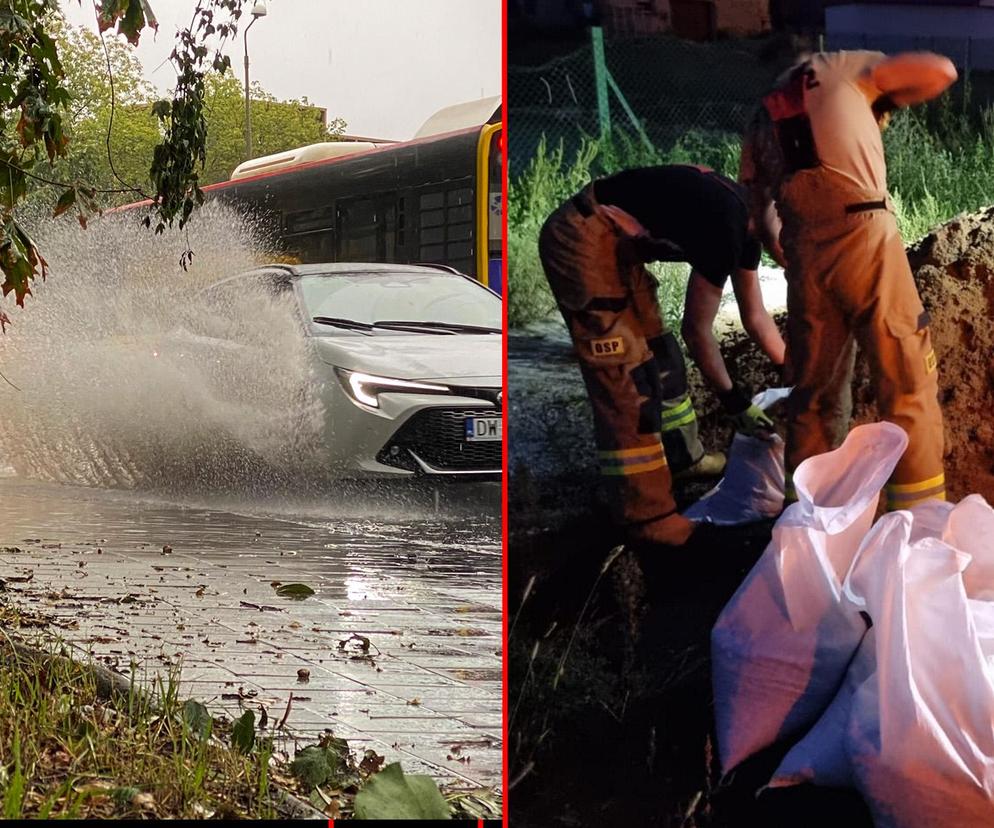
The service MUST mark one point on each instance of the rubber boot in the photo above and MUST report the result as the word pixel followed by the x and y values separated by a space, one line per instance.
pixel 672 530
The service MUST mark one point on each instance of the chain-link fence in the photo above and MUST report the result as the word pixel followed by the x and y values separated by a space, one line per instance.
pixel 655 90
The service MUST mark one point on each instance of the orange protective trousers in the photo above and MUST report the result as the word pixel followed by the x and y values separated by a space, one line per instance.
pixel 849 283
pixel 631 365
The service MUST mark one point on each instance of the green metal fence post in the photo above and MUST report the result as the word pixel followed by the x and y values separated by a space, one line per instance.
pixel 600 80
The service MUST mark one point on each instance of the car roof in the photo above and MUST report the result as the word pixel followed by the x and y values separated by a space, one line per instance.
pixel 342 268
pixel 348 268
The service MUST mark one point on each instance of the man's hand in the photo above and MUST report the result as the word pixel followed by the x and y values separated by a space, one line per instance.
pixel 746 417
pixel 754 422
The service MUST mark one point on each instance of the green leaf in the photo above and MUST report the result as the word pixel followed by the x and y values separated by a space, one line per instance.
pixel 315 764
pixel 66 200
pixel 296 591
pixel 243 732
pixel 390 794
pixel 197 718
pixel 161 109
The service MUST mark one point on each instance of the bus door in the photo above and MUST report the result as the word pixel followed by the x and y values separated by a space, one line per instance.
pixel 490 207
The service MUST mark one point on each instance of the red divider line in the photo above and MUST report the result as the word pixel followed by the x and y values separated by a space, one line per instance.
pixel 505 283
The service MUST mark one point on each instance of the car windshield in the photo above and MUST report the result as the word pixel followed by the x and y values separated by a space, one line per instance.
pixel 407 302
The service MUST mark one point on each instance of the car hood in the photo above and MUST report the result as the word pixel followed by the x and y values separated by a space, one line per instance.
pixel 469 358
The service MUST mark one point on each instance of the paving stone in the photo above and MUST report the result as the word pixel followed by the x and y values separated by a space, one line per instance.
pixel 391 581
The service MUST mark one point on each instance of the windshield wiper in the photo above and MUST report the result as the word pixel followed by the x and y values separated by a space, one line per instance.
pixel 451 327
pixel 348 324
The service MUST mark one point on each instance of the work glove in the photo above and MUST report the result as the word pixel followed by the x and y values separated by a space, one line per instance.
pixel 746 417
pixel 754 422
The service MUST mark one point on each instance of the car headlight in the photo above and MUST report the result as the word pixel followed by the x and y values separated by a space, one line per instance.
pixel 366 388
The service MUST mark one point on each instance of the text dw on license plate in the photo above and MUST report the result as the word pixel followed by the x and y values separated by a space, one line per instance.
pixel 483 428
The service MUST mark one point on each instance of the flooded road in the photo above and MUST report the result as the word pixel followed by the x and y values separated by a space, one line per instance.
pixel 398 650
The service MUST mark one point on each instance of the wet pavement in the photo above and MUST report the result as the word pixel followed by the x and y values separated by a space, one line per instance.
pixel 398 650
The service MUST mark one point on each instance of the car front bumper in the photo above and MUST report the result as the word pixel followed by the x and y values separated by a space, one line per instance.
pixel 410 435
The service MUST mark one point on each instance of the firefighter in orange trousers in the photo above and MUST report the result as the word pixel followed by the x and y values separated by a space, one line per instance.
pixel 814 150
pixel 594 249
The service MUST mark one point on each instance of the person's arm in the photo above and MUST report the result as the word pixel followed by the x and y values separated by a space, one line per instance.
pixel 756 320
pixel 763 217
pixel 768 228
pixel 699 312
pixel 909 78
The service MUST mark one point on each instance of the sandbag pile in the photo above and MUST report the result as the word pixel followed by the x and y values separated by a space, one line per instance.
pixel 870 648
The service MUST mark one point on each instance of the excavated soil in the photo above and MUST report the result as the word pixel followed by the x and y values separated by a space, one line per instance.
pixel 954 269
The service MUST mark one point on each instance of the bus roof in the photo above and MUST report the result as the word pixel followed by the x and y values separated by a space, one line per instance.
pixel 300 155
pixel 460 116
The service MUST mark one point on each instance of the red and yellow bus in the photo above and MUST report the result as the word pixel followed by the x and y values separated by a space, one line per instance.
pixel 435 199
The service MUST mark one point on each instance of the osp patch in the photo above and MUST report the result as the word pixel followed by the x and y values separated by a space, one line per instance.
pixel 614 346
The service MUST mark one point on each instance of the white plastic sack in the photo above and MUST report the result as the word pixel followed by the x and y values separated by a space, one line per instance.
pixel 781 646
pixel 753 484
pixel 820 757
pixel 913 724
pixel 921 733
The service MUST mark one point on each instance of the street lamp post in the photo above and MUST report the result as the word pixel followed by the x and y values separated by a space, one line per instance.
pixel 258 10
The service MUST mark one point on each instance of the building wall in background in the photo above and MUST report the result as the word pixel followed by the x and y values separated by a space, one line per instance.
pixel 692 19
pixel 965 33
pixel 743 17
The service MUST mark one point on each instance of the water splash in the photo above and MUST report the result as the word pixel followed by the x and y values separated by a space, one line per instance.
pixel 115 389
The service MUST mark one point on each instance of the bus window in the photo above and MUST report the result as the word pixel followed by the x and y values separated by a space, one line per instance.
pixel 446 226
pixel 357 231
pixel 366 229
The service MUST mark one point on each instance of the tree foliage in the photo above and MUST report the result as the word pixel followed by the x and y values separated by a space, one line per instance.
pixel 276 125
pixel 36 106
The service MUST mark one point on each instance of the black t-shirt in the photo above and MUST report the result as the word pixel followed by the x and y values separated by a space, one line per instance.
pixel 702 213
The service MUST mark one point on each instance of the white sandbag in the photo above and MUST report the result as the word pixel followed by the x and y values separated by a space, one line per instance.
pixel 921 732
pixel 911 726
pixel 820 757
pixel 752 487
pixel 781 646
pixel 970 528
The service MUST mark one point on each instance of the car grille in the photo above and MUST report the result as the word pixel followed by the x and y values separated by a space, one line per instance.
pixel 437 436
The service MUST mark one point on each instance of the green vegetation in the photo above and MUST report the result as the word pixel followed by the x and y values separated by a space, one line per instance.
pixel 80 742
pixel 134 131
pixel 940 163
pixel 67 752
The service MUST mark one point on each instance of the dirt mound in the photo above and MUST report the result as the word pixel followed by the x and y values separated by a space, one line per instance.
pixel 954 269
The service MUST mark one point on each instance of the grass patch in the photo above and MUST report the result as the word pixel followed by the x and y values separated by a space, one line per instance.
pixel 940 163
pixel 69 753
pixel 77 742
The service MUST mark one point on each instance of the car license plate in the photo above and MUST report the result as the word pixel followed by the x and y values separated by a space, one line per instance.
pixel 479 429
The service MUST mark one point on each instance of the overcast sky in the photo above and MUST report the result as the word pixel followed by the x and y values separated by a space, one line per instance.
pixel 383 65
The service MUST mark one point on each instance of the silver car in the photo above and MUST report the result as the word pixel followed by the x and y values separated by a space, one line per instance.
pixel 404 359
